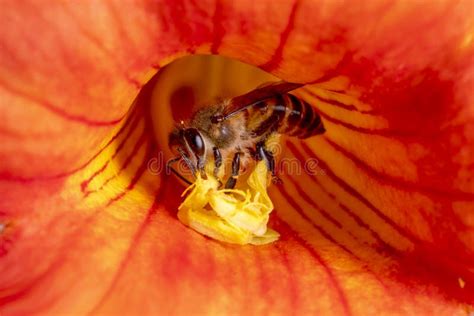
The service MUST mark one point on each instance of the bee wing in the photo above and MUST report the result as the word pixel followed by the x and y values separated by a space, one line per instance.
pixel 249 99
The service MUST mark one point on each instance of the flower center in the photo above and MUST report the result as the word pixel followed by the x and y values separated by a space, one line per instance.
pixel 227 195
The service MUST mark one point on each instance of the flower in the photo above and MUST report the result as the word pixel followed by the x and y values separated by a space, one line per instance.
pixel 383 225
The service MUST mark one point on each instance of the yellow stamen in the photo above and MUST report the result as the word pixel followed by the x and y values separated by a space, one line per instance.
pixel 233 216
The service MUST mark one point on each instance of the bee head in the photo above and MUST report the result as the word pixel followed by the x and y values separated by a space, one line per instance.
pixel 189 142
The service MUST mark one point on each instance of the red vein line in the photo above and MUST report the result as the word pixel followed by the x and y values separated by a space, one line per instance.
pixel 261 284
pixel 61 112
pixel 311 202
pixel 4 300
pixel 56 264
pixel 393 251
pixel 349 107
pixel 141 170
pixel 275 60
pixel 346 60
pixel 122 168
pixel 349 189
pixel 121 28
pixel 324 265
pixel 9 177
pixel 319 228
pixel 387 247
pixel 294 296
pixel 390 133
pixel 321 210
pixel 219 31
pixel 385 132
pixel 433 193
pixel 132 247
pixel 126 163
pixel 326 234
pixel 336 90
pixel 140 141
pixel 100 46
pixel 353 215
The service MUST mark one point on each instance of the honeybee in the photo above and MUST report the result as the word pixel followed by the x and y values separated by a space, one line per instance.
pixel 239 128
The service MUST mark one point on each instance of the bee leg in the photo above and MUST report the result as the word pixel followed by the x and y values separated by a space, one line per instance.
pixel 179 175
pixel 200 167
pixel 231 182
pixel 263 153
pixel 217 163
pixel 188 162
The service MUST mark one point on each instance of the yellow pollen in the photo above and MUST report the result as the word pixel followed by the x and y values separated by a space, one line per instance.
pixel 233 216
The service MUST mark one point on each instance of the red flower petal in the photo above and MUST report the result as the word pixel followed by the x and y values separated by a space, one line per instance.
pixel 384 226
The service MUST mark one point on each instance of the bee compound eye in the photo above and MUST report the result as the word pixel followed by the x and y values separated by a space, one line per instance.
pixel 194 140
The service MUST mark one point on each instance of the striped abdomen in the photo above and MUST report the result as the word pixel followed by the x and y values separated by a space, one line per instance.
pixel 285 114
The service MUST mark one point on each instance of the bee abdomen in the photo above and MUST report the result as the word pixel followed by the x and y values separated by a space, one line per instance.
pixel 285 114
pixel 301 120
pixel 276 111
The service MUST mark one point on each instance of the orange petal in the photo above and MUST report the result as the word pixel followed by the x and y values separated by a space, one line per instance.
pixel 380 223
